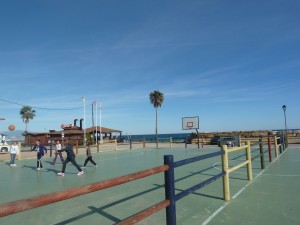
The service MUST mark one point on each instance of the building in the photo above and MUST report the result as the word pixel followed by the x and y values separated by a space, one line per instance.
pixel 71 132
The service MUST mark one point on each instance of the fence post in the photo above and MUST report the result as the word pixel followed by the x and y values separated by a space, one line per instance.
pixel 270 149
pixel 226 189
pixel 170 142
pixel 144 143
pixel 50 148
pixel 281 143
pixel 186 142
pixel 249 165
pixel 170 190
pixel 130 143
pixel 262 157
pixel 20 146
pixel 116 143
pixel 202 141
pixel 276 146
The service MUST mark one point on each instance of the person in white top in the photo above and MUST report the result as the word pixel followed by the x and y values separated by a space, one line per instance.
pixel 58 152
pixel 14 151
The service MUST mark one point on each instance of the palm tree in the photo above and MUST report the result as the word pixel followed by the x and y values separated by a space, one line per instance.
pixel 157 99
pixel 27 113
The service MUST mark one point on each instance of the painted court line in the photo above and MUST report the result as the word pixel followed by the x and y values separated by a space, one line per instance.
pixel 237 194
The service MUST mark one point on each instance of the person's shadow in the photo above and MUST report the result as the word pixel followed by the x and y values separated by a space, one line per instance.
pixel 30 167
pixel 44 169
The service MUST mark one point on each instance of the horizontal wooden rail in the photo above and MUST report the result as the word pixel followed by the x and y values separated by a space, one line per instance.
pixel 197 158
pixel 145 213
pixel 237 148
pixel 238 166
pixel 46 199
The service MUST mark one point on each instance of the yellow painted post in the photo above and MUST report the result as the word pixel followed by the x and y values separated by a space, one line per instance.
pixel 170 142
pixel 276 146
pixel 249 165
pixel 226 187
pixel 19 155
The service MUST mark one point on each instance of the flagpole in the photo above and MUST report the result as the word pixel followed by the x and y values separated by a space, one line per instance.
pixel 96 122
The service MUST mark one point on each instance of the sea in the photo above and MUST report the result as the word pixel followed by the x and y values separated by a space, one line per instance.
pixel 161 137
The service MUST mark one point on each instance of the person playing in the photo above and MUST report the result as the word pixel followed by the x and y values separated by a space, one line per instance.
pixel 88 156
pixel 70 158
pixel 58 152
pixel 14 151
pixel 40 153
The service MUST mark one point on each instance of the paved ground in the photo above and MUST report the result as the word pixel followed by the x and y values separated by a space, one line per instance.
pixel 271 198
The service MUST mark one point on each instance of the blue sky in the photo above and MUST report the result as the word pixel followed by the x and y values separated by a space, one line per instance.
pixel 232 63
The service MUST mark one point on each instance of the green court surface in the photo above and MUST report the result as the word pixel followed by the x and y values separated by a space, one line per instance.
pixel 271 198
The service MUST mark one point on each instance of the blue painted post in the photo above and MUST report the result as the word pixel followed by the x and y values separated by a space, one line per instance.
pixel 170 190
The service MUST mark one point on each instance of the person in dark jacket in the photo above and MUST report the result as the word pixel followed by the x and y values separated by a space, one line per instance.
pixel 70 158
pixel 89 156
pixel 40 149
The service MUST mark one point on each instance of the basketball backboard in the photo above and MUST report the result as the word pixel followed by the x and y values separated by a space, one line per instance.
pixel 189 123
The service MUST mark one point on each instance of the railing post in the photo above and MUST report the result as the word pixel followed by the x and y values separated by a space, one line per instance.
pixel 20 146
pixel 226 189
pixel 281 143
pixel 276 146
pixel 270 149
pixel 261 150
pixel 170 190
pixel 248 156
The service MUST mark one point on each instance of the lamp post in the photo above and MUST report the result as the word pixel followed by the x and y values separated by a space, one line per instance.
pixel 84 131
pixel 284 109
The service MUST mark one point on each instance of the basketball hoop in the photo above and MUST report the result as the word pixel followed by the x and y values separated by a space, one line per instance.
pixel 189 127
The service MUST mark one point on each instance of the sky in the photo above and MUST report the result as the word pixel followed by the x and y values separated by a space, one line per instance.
pixel 232 63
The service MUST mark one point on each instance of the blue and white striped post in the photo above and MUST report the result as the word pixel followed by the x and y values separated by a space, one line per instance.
pixel 170 190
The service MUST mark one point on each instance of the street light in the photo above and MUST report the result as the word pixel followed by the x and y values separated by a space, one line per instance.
pixel 284 109
pixel 84 131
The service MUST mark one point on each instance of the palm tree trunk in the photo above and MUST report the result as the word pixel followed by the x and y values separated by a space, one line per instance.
pixel 156 129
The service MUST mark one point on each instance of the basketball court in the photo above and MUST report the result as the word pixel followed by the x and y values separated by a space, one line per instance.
pixel 270 198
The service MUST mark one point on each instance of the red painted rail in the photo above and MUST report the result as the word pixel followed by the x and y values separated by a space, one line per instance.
pixel 145 213
pixel 46 199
